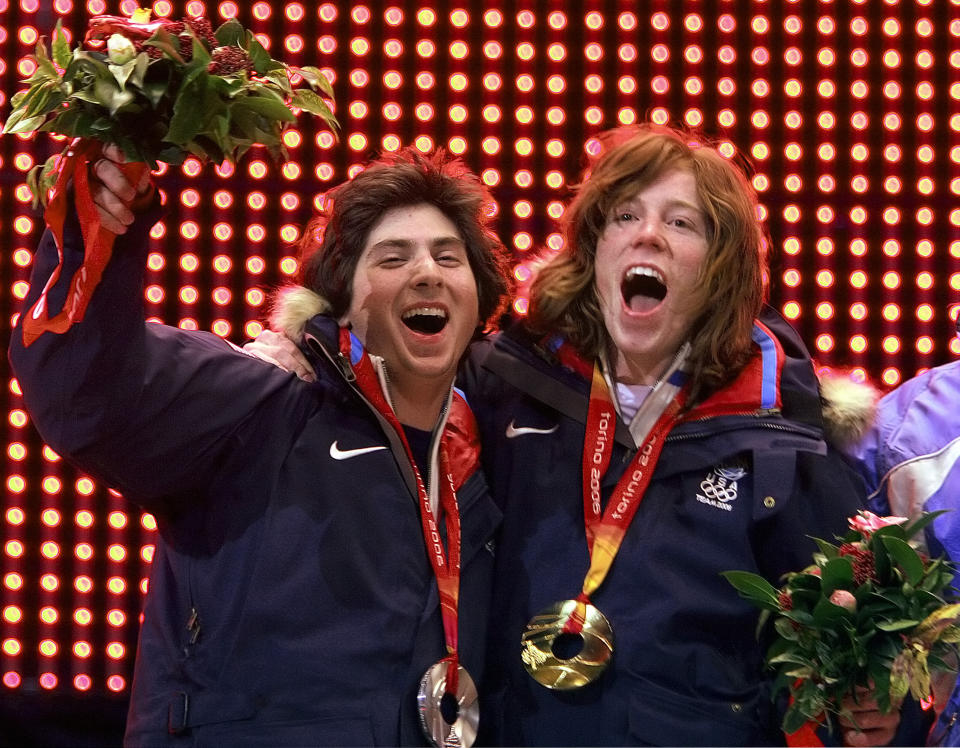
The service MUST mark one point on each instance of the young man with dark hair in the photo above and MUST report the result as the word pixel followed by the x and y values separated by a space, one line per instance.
pixel 321 575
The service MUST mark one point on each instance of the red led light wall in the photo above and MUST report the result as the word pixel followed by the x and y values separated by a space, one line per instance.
pixel 848 111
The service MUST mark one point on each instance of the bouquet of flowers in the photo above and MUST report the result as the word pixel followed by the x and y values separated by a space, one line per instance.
pixel 163 90
pixel 160 91
pixel 868 612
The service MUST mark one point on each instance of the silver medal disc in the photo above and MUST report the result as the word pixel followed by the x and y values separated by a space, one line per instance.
pixel 563 674
pixel 442 734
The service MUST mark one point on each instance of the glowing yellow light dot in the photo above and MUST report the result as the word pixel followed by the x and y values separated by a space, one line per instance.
pixel 824 343
pixel 47 647
pixel 50 549
pixel 791 278
pixel 11 647
pixel 13 548
pixel 858 279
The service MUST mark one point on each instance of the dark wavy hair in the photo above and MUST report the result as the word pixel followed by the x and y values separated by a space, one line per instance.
pixel 334 240
pixel 732 283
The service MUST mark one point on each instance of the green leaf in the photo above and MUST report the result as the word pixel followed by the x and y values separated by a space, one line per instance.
pixel 122 72
pixel 905 557
pixel 316 79
pixel 45 68
pixel 85 63
pixel 828 550
pixel 911 529
pixel 791 657
pixel 48 176
pixel 139 74
pixel 33 107
pixel 60 47
pixel 18 98
pixel 201 57
pixel 279 82
pixel 262 62
pixel 27 103
pixel 267 104
pixel 951 635
pixel 786 630
pixel 837 573
pixel 793 720
pixel 802 580
pixel 934 625
pixel 753 587
pixel 803 617
pixel 826 613
pixel 231 34
pixel 308 101
pixel 23 125
pixel 167 43
pixel 110 96
pixel 188 114
pixel 893 531
pixel 899 625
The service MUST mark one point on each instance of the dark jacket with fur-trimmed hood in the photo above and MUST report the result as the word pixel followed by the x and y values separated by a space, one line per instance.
pixel 291 600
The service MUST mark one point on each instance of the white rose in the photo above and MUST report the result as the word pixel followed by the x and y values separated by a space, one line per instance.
pixel 120 50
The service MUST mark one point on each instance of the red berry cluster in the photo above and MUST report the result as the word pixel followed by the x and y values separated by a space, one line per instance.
pixel 200 27
pixel 203 29
pixel 786 602
pixel 229 60
pixel 864 569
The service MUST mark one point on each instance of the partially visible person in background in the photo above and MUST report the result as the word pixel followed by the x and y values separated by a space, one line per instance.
pixel 910 458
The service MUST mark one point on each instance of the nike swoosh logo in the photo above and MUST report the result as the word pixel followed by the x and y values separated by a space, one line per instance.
pixel 345 454
pixel 513 431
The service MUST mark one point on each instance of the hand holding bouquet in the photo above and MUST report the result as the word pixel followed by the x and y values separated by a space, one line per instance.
pixel 869 612
pixel 160 91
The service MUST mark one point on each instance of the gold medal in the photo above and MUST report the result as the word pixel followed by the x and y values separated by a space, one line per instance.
pixel 549 667
pixel 448 722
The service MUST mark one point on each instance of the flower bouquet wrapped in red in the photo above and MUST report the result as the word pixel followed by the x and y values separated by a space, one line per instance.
pixel 160 90
pixel 870 612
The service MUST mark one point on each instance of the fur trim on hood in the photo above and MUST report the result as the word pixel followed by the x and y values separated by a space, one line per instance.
pixel 849 408
pixel 293 307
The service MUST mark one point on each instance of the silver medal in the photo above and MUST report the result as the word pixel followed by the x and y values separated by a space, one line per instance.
pixel 442 734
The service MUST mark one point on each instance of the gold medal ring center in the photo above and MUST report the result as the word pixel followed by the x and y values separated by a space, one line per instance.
pixel 547 666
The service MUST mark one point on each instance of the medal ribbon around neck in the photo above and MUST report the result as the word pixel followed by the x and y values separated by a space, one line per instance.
pixel 605 530
pixel 446 574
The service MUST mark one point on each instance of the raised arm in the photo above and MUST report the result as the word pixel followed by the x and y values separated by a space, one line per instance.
pixel 144 407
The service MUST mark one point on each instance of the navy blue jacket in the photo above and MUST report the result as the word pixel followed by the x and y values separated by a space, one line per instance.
pixel 291 599
pixel 740 485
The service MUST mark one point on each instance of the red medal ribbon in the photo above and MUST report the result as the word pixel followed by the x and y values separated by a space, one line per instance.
pixel 605 530
pixel 446 574
pixel 97 241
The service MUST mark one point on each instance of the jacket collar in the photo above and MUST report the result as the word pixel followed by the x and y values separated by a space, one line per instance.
pixel 778 378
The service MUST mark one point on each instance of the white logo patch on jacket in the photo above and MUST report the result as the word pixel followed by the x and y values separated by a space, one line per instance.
pixel 719 487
